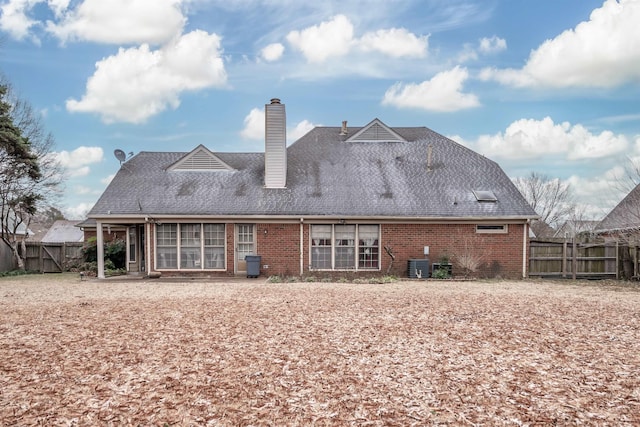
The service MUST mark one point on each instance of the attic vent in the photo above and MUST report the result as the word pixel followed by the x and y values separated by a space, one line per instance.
pixel 376 131
pixel 485 196
pixel 200 159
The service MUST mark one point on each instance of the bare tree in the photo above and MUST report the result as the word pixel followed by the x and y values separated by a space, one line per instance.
pixel 552 199
pixel 628 176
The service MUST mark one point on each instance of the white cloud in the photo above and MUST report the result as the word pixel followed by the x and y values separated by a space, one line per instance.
pixel 84 190
pixel 395 42
pixel 485 46
pixel 81 156
pixel 75 172
pixel 14 19
pixel 335 38
pixel 329 38
pixel 119 21
pixel 442 93
pixel 58 6
pixel 532 139
pixel 79 211
pixel 138 83
pixel 107 180
pixel 299 130
pixel 492 45
pixel 76 163
pixel 272 52
pixel 254 127
pixel 601 52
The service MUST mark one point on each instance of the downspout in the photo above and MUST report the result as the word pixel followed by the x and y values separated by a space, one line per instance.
pixel 301 247
pixel 100 248
pixel 525 235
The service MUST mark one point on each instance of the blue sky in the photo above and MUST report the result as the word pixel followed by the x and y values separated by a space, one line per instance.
pixel 542 86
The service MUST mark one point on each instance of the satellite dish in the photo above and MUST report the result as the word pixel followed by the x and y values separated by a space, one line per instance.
pixel 120 155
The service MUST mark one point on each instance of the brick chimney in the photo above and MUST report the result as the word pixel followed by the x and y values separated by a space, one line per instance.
pixel 275 152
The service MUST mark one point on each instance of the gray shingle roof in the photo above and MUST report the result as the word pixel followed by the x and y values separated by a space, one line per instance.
pixel 626 215
pixel 325 176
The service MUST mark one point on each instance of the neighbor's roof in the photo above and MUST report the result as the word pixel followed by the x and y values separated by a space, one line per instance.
pixel 63 231
pixel 326 175
pixel 625 216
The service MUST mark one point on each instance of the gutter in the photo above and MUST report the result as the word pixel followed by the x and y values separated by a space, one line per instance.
pixel 114 219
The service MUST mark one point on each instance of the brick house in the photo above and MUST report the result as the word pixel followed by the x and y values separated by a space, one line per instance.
pixel 337 202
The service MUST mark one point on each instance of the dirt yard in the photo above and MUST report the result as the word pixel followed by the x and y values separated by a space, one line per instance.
pixel 87 353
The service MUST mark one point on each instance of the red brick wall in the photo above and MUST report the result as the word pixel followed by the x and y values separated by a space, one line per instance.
pixel 279 247
pixel 116 233
pixel 501 254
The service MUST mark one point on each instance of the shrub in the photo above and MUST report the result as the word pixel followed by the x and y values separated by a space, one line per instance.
pixel 115 252
pixel 440 273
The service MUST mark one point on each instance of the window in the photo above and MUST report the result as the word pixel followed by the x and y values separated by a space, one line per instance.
pixel 166 246
pixel 345 242
pixel 190 246
pixel 492 228
pixel 196 242
pixel 321 247
pixel 132 244
pixel 345 247
pixel 368 252
pixel 213 246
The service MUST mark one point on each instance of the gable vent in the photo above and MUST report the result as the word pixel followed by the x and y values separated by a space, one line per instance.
pixel 200 159
pixel 376 131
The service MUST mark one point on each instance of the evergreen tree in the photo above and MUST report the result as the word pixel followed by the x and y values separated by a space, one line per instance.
pixel 19 177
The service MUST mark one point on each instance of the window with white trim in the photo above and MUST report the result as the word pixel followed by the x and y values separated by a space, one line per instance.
pixel 196 243
pixel 214 238
pixel 345 247
pixel 132 244
pixel 492 228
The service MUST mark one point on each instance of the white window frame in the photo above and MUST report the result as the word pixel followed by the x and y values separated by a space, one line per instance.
pixel 199 235
pixel 492 228
pixel 356 247
pixel 132 244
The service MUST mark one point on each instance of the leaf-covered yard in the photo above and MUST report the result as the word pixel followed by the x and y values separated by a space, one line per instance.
pixel 249 353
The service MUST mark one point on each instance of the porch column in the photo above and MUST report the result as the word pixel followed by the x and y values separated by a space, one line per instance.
pixel 301 246
pixel 147 249
pixel 100 247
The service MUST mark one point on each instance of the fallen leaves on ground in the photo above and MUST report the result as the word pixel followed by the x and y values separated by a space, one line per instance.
pixel 247 353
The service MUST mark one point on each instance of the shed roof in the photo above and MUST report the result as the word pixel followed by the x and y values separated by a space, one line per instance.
pixel 63 231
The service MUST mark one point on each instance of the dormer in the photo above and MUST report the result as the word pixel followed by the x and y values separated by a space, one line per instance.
pixel 376 131
pixel 200 159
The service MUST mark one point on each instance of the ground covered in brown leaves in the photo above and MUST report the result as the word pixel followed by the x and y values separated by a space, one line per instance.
pixel 249 353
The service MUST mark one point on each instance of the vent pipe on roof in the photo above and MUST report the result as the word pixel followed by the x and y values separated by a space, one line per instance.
pixel 344 130
pixel 429 155
pixel 275 153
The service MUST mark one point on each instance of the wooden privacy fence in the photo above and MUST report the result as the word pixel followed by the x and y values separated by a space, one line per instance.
pixel 52 257
pixel 573 260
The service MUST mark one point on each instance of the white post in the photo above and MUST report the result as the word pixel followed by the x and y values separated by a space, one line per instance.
pixel 525 240
pixel 147 255
pixel 301 246
pixel 100 247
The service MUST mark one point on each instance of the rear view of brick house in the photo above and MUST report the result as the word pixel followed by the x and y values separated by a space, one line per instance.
pixel 338 201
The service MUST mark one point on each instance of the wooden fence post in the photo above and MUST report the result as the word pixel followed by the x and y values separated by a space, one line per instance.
pixel 574 262
pixel 564 259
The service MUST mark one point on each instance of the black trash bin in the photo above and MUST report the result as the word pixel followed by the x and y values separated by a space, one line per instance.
pixel 253 265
